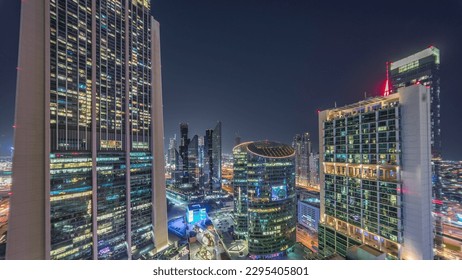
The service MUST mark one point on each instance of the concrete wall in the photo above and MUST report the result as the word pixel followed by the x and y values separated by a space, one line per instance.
pixel 416 172
pixel 27 222
pixel 159 192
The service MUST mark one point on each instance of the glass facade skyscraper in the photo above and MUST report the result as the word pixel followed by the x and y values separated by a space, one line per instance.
pixel 213 158
pixel 89 123
pixel 376 176
pixel 216 157
pixel 264 197
pixel 422 68
pixel 193 160
pixel 183 150
pixel 302 146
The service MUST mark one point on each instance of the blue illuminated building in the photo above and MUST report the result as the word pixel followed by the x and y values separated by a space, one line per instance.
pixel 196 213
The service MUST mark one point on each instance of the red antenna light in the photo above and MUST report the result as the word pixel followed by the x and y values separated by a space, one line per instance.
pixel 386 92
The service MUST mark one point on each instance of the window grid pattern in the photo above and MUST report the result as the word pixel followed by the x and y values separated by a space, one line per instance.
pixel 110 74
pixel 141 203
pixel 361 186
pixel 70 74
pixel 140 75
pixel 112 206
pixel 70 201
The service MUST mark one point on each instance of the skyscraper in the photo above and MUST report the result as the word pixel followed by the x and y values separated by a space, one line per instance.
pixel 422 68
pixel 184 142
pixel 208 160
pixel 216 157
pixel 172 153
pixel 193 160
pixel 213 158
pixel 376 177
pixel 302 146
pixel 237 140
pixel 201 160
pixel 264 197
pixel 89 162
pixel 314 169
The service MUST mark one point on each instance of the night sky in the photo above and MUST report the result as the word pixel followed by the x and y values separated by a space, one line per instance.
pixel 263 67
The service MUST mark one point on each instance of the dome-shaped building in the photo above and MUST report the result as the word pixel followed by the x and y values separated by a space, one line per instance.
pixel 264 197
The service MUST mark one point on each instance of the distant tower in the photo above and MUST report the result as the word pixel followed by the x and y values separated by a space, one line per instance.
pixel 172 153
pixel 201 160
pixel 422 68
pixel 184 142
pixel 216 157
pixel 237 140
pixel 208 158
pixel 314 169
pixel 193 160
pixel 213 158
pixel 302 146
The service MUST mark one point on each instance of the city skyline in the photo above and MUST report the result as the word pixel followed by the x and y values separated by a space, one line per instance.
pixel 141 131
pixel 239 58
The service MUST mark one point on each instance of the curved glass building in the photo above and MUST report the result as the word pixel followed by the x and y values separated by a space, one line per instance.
pixel 264 197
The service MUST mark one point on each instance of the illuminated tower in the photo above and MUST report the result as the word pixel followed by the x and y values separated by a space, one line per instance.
pixel 375 177
pixel 264 197
pixel 216 157
pixel 213 158
pixel 193 160
pixel 172 153
pixel 183 150
pixel 422 68
pixel 302 146
pixel 89 162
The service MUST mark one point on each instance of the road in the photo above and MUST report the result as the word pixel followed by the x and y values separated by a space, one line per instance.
pixel 452 239
pixel 4 210
pixel 452 231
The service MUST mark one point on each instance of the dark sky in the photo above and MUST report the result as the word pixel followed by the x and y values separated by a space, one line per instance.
pixel 263 67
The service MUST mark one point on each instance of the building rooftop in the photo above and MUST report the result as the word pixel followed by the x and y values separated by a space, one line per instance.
pixel 271 149
pixel 364 252
pixel 422 54
pixel 312 201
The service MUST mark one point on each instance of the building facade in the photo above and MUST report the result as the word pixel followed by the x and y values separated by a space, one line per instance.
pixel 302 146
pixel 216 158
pixel 183 150
pixel 193 160
pixel 376 176
pixel 89 123
pixel 172 158
pixel 314 170
pixel 422 68
pixel 264 197
pixel 213 158
pixel 308 213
